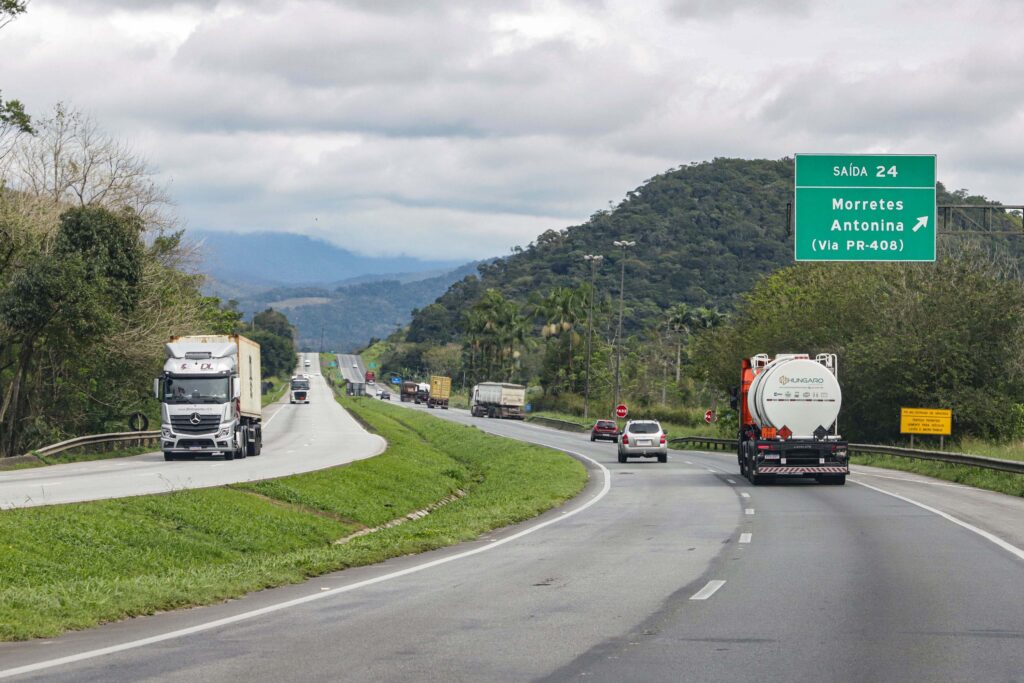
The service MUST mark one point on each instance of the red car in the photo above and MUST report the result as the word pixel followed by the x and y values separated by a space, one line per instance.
pixel 604 429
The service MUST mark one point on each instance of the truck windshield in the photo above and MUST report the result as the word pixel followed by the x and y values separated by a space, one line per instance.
pixel 300 384
pixel 196 389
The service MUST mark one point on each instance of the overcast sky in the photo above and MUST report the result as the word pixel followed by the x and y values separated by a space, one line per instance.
pixel 456 129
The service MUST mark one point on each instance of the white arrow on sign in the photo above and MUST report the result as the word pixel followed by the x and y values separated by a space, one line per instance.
pixel 922 222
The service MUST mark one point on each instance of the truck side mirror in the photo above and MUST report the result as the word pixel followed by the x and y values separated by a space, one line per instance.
pixel 156 388
pixel 236 387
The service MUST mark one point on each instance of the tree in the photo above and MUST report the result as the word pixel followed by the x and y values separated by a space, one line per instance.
pixel 274 322
pixel 67 299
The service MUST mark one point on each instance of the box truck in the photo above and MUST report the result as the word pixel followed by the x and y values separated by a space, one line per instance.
pixel 210 397
pixel 440 392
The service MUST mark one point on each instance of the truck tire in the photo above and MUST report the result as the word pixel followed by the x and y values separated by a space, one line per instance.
pixel 252 448
pixel 229 455
pixel 663 458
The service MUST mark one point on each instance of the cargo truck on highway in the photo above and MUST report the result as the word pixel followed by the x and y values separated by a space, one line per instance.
pixel 299 389
pixel 210 400
pixel 408 392
pixel 422 393
pixel 440 392
pixel 495 399
pixel 788 409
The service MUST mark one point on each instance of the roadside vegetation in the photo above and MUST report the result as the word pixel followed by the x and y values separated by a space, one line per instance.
pixel 74 566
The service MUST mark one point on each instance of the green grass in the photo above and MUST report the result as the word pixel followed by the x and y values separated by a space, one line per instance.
pixel 75 566
pixel 1002 482
pixel 279 387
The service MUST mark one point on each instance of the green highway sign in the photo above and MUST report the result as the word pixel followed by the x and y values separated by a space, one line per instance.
pixel 864 207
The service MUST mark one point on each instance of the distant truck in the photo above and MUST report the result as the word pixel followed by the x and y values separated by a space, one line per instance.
pixel 440 392
pixel 422 393
pixel 210 397
pixel 495 399
pixel 300 389
pixel 408 392
pixel 788 409
pixel 370 377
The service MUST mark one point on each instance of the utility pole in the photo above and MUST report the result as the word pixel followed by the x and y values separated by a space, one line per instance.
pixel 624 245
pixel 594 261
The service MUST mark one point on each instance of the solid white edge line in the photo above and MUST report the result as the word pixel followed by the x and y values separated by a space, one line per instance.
pixel 1009 547
pixel 745 538
pixel 745 494
pixel 708 590
pixel 749 511
pixel 731 481
pixel 199 628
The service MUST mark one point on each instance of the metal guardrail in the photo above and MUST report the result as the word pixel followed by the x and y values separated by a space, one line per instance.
pixel 120 438
pixel 564 425
pixel 1013 466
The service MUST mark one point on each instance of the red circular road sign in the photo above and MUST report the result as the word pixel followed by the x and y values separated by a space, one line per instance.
pixel 709 416
pixel 621 411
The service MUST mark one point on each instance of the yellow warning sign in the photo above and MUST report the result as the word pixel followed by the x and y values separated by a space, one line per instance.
pixel 926 421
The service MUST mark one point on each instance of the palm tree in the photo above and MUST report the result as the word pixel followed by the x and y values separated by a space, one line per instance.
pixel 679 318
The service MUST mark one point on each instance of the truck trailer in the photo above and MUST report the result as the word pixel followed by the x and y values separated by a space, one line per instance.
pixel 210 399
pixel 495 399
pixel 440 392
pixel 788 408
pixel 408 392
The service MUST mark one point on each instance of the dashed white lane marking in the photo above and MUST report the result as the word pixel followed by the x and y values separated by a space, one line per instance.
pixel 749 511
pixel 1005 545
pixel 199 628
pixel 744 494
pixel 712 471
pixel 745 538
pixel 708 590
pixel 688 462
pixel 731 481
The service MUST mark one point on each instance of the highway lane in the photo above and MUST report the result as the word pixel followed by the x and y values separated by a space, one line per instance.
pixel 352 367
pixel 814 583
pixel 296 438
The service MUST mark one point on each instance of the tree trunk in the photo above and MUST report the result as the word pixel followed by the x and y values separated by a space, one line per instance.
pixel 10 408
pixel 679 350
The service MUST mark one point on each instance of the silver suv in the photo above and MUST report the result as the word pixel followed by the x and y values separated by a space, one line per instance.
pixel 643 438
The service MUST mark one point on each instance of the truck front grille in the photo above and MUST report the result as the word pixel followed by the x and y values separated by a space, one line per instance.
pixel 188 424
pixel 195 443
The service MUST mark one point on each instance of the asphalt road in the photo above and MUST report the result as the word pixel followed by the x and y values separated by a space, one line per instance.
pixel 352 367
pixel 296 438
pixel 656 572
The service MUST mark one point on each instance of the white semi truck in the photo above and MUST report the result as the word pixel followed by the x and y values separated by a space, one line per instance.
pixel 495 399
pixel 210 397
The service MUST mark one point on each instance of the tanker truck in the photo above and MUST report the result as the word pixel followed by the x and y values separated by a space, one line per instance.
pixel 788 408
pixel 210 401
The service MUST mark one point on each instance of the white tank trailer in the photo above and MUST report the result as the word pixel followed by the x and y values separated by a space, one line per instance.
pixel 789 406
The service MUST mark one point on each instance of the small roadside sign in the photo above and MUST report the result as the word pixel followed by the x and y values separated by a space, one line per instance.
pixel 937 421
pixel 396 380
pixel 621 411
pixel 710 417
pixel 373 365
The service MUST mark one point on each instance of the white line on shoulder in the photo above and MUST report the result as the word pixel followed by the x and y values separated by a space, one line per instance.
pixel 1005 545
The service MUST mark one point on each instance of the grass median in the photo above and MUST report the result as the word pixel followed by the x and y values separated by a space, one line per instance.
pixel 78 565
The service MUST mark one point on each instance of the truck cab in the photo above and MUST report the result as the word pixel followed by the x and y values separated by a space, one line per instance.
pixel 299 389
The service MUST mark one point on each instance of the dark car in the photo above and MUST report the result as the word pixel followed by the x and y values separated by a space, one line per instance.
pixel 604 429
pixel 385 395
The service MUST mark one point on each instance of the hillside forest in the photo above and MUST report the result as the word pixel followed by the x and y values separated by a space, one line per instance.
pixel 710 279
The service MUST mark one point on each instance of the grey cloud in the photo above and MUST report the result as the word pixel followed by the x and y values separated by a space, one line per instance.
pixel 718 9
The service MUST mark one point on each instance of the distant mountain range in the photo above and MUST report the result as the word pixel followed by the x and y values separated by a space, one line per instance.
pixel 274 258
pixel 323 289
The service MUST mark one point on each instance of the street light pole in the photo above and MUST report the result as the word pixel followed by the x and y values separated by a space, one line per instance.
pixel 624 245
pixel 594 260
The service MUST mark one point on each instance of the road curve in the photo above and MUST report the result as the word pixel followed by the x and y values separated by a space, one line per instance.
pixel 296 438
pixel 681 571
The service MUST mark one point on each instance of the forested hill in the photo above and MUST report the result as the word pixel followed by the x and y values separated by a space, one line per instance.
pixel 705 233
